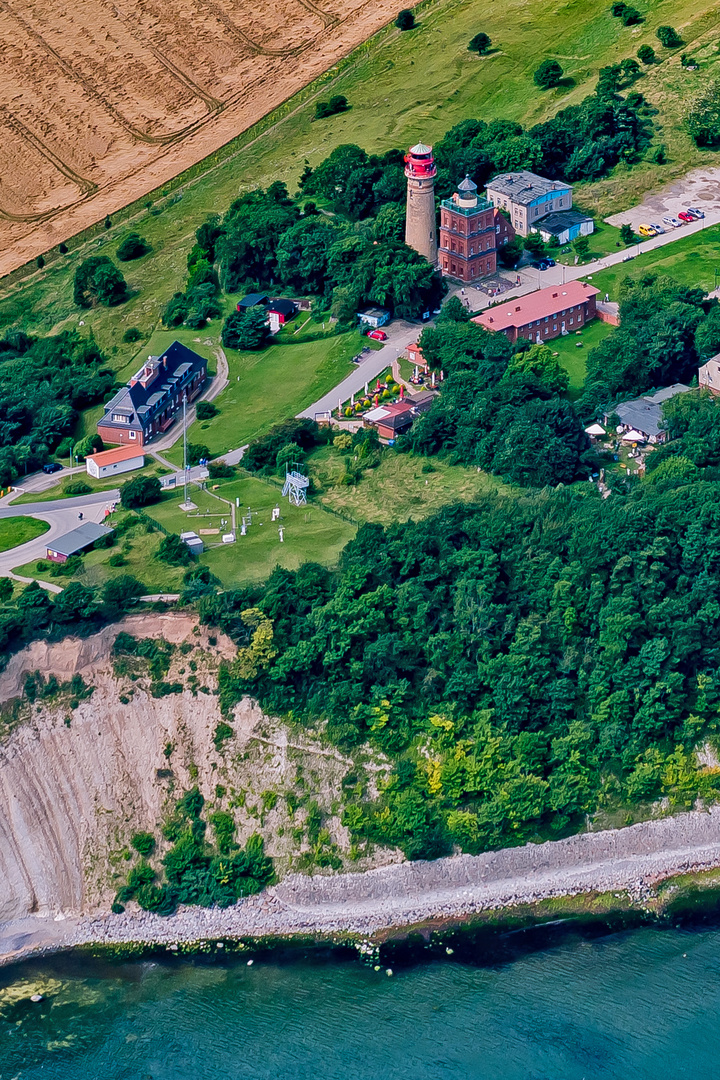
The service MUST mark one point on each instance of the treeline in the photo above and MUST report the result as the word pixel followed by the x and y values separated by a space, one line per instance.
pixel 44 383
pixel 666 330
pixel 522 662
pixel 503 407
pixel 265 240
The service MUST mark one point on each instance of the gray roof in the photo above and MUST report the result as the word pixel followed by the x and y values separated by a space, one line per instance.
pixel 525 187
pixel 76 541
pixel 467 185
pixel 562 220
pixel 253 299
pixel 645 413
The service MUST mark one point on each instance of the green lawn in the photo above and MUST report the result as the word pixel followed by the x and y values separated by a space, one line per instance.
pixel 19 530
pixel 311 534
pixel 691 261
pixel 401 86
pixel 271 385
pixel 398 489
pixel 603 241
pixel 573 357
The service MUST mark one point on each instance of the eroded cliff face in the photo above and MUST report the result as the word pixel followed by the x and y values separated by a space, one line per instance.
pixel 77 782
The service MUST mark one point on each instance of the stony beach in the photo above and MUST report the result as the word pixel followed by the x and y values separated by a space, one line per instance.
pixel 630 860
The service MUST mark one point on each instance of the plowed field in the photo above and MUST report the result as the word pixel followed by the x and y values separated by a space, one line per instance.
pixel 101 102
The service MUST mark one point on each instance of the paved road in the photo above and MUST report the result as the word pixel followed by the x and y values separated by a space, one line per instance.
pixel 400 335
pixel 62 517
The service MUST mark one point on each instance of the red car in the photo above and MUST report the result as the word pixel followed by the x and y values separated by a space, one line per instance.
pixel 684 216
pixel 378 335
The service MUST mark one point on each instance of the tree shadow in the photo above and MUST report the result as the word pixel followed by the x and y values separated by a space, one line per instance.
pixel 566 83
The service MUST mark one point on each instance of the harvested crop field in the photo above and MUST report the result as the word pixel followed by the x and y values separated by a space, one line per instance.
pixel 101 102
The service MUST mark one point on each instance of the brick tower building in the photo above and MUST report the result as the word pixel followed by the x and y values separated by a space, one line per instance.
pixel 420 229
pixel 468 246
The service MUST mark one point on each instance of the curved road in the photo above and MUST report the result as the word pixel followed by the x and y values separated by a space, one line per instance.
pixel 62 517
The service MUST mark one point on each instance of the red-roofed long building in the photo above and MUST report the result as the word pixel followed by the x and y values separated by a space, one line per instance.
pixel 543 315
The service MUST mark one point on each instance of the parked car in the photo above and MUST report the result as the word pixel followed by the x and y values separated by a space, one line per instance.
pixel 51 467
pixel 549 261
pixel 696 213
pixel 684 216
pixel 658 228
pixel 545 264
pixel 672 222
pixel 378 335
pixel 646 230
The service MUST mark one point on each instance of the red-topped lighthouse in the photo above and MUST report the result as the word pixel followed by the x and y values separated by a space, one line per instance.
pixel 420 227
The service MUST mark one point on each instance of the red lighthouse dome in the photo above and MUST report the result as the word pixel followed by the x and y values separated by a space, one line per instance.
pixel 420 163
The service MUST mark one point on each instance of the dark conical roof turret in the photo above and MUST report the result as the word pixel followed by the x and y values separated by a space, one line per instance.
pixel 467 186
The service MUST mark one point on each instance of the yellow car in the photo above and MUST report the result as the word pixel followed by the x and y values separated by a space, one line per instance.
pixel 646 230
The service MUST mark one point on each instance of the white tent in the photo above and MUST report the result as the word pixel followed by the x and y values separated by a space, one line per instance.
pixel 595 429
pixel 633 436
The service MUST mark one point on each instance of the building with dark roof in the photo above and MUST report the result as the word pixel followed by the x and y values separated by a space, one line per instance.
pixel 252 300
pixel 643 416
pixel 528 197
pixel 80 539
pixel 150 402
pixel 565 226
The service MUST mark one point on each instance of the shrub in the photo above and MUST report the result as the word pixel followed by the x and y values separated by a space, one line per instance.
pixel 140 491
pixel 480 44
pixel 669 37
pixel 98 281
pixel 63 249
pixel 131 334
pixel 164 689
pixel 76 487
pixel 120 592
pixel 631 16
pixel 342 442
pixel 132 247
pixel 39 262
pixel 703 116
pixel 245 330
pixel 646 54
pixel 336 104
pixel 548 74
pixel 223 732
pixel 144 843
pixel 405 20
pixel 617 8
pixel 118 559
pixel 197 452
pixel 220 470
pixel 205 410
pixel 174 551
pixel 626 234
pixel 175 310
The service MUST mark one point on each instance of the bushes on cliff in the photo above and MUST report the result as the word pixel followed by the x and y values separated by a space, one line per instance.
pixel 195 871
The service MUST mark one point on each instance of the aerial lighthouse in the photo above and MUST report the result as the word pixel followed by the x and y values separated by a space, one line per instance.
pixel 420 228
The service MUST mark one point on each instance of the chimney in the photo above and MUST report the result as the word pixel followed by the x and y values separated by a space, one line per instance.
pixel 517 308
pixel 554 295
pixel 164 361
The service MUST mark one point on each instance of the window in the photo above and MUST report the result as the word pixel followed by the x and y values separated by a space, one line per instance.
pixel 563 311
pixel 120 419
pixel 572 320
pixel 132 435
pixel 555 326
pixel 547 319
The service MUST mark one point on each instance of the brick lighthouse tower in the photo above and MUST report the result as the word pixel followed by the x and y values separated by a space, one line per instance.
pixel 420 230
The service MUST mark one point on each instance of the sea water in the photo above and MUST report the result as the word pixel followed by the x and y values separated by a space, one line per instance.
pixel 638 1005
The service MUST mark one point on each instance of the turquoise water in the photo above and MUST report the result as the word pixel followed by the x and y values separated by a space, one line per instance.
pixel 643 1005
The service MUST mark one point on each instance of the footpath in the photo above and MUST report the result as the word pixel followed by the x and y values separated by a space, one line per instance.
pixel 629 861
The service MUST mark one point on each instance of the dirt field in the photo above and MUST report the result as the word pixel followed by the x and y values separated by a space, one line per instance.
pixel 101 102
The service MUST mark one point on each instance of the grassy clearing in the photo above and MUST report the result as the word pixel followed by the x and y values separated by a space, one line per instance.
pixel 311 534
pixel 400 87
pixel 271 385
pixel 691 261
pixel 573 358
pixel 398 489
pixel 19 530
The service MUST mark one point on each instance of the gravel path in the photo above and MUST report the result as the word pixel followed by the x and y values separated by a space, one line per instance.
pixel 628 860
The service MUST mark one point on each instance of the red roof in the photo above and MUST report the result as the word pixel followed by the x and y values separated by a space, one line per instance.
pixel 112 457
pixel 536 305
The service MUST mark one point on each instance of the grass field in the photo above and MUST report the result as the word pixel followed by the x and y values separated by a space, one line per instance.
pixel 398 489
pixel 691 260
pixel 270 385
pixel 19 530
pixel 401 87
pixel 574 359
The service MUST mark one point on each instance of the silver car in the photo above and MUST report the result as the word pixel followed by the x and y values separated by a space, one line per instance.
pixel 656 227
pixel 695 212
pixel 673 222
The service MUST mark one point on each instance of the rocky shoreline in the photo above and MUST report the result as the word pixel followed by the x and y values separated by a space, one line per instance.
pixel 627 862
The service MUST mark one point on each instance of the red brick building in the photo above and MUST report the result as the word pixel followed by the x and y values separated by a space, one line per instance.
pixel 468 240
pixel 153 398
pixel 543 315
